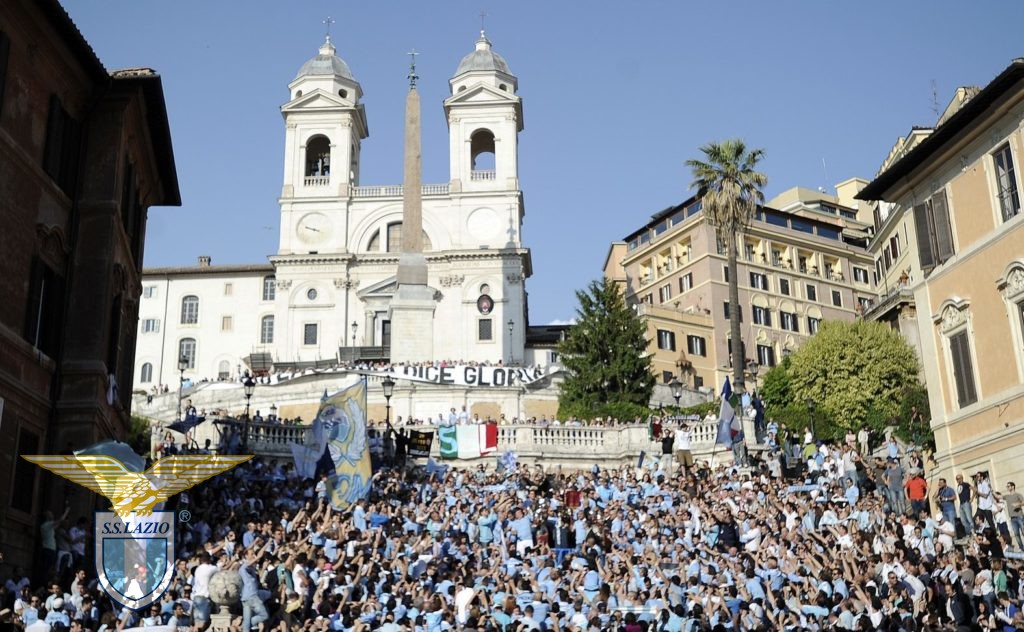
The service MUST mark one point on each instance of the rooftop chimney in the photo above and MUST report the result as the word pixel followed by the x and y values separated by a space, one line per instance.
pixel 204 261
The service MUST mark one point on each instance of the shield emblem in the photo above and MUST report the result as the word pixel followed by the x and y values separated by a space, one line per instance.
pixel 135 556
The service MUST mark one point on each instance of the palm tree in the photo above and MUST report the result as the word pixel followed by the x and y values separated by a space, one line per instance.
pixel 730 191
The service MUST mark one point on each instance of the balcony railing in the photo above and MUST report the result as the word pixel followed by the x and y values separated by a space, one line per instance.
pixel 482 174
pixel 356 354
pixel 317 181
pixel 396 190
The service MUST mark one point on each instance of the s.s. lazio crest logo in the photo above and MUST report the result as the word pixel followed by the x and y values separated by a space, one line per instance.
pixel 134 543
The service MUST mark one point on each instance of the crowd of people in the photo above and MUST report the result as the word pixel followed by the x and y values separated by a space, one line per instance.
pixel 814 536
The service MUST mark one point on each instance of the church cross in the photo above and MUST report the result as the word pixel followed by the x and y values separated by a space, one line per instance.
pixel 328 22
pixel 483 14
pixel 412 69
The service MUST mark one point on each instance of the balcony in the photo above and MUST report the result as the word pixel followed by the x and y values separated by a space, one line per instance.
pixel 895 297
pixel 395 190
pixel 316 181
pixel 359 354
pixel 482 174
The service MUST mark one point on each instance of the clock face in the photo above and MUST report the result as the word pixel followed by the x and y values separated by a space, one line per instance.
pixel 313 228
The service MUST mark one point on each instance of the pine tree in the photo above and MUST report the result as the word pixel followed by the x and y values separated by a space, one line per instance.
pixel 605 356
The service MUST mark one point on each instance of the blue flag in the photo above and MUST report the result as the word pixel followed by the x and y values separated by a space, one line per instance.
pixel 190 422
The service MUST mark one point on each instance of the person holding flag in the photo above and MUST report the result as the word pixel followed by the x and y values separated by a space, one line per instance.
pixel 730 429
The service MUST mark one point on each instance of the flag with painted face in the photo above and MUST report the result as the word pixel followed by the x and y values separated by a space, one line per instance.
pixel 343 420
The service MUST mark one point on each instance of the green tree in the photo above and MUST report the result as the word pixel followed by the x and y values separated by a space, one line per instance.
pixel 605 356
pixel 139 435
pixel 856 374
pixel 776 388
pixel 730 191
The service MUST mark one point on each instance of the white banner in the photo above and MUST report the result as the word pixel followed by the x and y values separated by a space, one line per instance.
pixel 465 375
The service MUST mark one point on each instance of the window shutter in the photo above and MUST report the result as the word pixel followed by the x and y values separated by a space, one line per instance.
pixel 922 226
pixel 960 351
pixel 940 224
pixel 54 134
pixel 5 53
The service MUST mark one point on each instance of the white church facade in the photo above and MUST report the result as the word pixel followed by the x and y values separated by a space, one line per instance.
pixel 326 295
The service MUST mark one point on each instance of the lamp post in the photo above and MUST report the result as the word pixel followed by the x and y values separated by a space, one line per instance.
pixel 389 387
pixel 248 386
pixel 355 326
pixel 677 389
pixel 273 412
pixel 182 365
pixel 511 326
pixel 810 414
pixel 753 367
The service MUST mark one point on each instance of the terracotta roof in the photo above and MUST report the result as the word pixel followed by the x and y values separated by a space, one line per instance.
pixel 944 133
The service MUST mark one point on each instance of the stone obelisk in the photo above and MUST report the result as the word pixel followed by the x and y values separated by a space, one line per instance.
pixel 412 306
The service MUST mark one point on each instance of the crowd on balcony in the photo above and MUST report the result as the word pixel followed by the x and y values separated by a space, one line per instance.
pixel 844 543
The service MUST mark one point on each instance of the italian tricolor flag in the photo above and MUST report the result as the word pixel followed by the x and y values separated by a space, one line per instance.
pixel 468 442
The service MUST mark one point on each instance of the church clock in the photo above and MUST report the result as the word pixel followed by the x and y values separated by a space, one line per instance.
pixel 314 228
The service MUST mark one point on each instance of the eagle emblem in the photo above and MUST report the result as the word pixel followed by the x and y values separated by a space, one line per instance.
pixel 137 492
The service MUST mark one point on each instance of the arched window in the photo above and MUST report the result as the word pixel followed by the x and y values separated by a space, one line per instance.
pixel 146 374
pixel 223 370
pixel 190 310
pixel 318 156
pixel 267 330
pixel 481 150
pixel 374 245
pixel 269 288
pixel 394 234
pixel 187 352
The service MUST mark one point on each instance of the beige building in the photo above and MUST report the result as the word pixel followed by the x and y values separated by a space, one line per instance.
pixel 802 261
pixel 954 199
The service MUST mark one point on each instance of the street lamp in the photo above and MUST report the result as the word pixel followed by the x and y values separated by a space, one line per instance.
pixel 511 326
pixel 810 414
pixel 248 386
pixel 273 412
pixel 182 365
pixel 753 367
pixel 355 326
pixel 677 389
pixel 389 387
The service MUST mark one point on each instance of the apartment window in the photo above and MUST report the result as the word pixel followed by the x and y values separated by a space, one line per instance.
pixel 1006 181
pixel 310 333
pixel 666 340
pixel 44 311
pixel 146 374
pixel 187 351
pixel 696 345
pixel 784 286
pixel 762 316
pixel 647 298
pixel 226 323
pixel 860 275
pixel 149 291
pixel 664 293
pixel 776 258
pixel 721 246
pixel 269 288
pixel 812 293
pixel 828 270
pixel 725 310
pixel 229 289
pixel 758 281
pixel 934 233
pixel 190 310
pixel 963 372
pixel 725 273
pixel 765 355
pixel 484 329
pixel 686 282
pixel 63 140
pixel 788 321
pixel 813 324
pixel 837 298
pixel 150 325
pixel 894 247
pixel 802 261
pixel 748 252
pixel 864 302
pixel 266 330
pixel 886 258
pixel 25 472
pixel 743 350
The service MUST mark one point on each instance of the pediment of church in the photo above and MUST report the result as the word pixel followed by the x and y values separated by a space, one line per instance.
pixel 380 289
pixel 481 93
pixel 316 99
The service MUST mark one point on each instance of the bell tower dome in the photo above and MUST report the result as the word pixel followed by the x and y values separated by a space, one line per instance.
pixel 485 116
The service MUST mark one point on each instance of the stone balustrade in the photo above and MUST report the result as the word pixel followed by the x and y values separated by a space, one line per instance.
pixel 572 446
pixel 395 190
pixel 317 181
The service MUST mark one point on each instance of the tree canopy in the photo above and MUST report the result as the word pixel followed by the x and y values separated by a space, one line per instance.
pixel 855 374
pixel 608 369
pixel 730 190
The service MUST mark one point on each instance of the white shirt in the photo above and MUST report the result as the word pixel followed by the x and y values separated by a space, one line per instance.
pixel 201 580
pixel 682 439
pixel 984 495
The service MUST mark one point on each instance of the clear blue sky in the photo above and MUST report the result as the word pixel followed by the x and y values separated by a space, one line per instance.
pixel 617 95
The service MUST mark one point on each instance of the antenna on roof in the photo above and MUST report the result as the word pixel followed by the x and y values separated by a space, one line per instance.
pixel 824 171
pixel 935 99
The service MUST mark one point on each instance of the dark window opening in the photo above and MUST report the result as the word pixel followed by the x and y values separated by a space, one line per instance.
pixel 44 313
pixel 63 143
pixel 481 151
pixel 25 472
pixel 318 156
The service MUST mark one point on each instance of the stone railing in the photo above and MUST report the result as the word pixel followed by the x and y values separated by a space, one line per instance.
pixel 572 446
pixel 317 181
pixel 483 174
pixel 395 190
